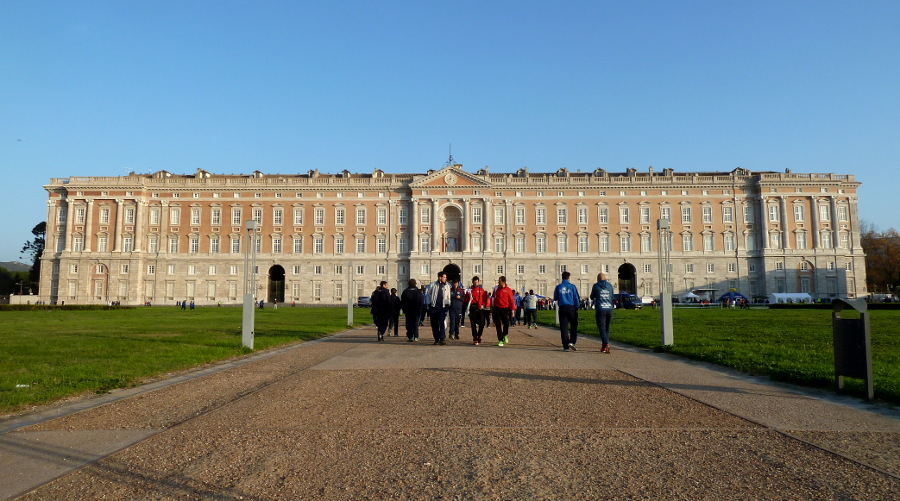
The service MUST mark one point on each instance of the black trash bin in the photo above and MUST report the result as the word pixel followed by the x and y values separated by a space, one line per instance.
pixel 852 344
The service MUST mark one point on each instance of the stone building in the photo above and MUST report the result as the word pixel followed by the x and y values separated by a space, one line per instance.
pixel 330 238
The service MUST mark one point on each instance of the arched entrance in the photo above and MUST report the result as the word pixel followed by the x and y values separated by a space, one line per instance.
pixel 453 272
pixel 628 278
pixel 276 284
pixel 450 234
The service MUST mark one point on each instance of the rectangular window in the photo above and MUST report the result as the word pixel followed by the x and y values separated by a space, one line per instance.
pixel 498 215
pixel 360 245
pixel 708 242
pixel 542 269
pixel 500 269
pixel 360 215
pixel 775 240
pixel 194 245
pixel 278 216
pixel 685 214
pixel 173 245
pixel 340 216
pixel 625 243
pixel 499 244
pixel 236 217
pixel 710 267
pixel 582 215
pixel 339 245
pixel 403 245
pixel 582 243
pixel 298 216
pixel 689 268
pixel 824 213
pixel 687 242
pixel 192 269
pixel 215 217
pixel 604 215
pixel 773 213
pixel 844 241
pixel 665 213
pixel 541 245
pixel 319 216
pixel 425 215
pixel 195 216
pixel 425 270
pixel 800 237
pixel 604 243
pixel 129 215
pixel 520 215
pixel 645 243
pixel 729 242
pixel 403 216
pixel 727 214
pixel 381 216
pixel 562 244
pixel 540 215
pixel 174 215
pixel 298 245
pixel 624 217
pixel 561 216
pixel 104 215
pixel 520 244
pixel 826 240
pixel 102 244
pixel 732 268
pixel 520 269
pixel 842 213
pixel 645 215
pixel 381 245
pixel 798 213
pixel 276 245
pixel 79 215
pixel 476 215
pixel 707 214
pixel 170 269
pixel 748 214
pixel 648 268
pixel 257 215
pixel 318 245
pixel 477 269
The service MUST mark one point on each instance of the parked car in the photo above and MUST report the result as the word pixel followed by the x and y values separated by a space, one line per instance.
pixel 364 302
pixel 627 300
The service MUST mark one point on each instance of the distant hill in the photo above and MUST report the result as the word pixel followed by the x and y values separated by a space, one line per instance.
pixel 14 266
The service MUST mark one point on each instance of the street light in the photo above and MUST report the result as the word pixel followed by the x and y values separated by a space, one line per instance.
pixel 249 317
pixel 665 292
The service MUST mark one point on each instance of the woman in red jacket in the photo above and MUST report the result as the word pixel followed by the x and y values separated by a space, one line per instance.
pixel 504 307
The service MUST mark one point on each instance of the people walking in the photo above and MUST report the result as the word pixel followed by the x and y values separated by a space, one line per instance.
pixel 517 317
pixel 438 301
pixel 478 309
pixel 381 309
pixel 411 303
pixel 457 300
pixel 529 304
pixel 395 313
pixel 602 295
pixel 504 307
pixel 566 297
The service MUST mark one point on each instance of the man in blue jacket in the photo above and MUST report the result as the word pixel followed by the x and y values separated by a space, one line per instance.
pixel 602 294
pixel 567 300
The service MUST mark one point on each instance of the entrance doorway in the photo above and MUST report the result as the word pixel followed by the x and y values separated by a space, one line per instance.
pixel 453 272
pixel 276 284
pixel 628 278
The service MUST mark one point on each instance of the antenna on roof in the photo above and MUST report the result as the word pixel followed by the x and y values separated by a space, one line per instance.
pixel 450 160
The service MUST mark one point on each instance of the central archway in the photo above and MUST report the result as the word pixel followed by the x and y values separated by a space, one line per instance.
pixel 276 284
pixel 628 278
pixel 453 272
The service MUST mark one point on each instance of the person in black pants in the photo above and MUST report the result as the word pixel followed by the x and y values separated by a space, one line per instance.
pixel 457 297
pixel 395 313
pixel 381 309
pixel 411 302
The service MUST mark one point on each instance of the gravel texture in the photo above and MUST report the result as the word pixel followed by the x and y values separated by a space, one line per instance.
pixel 350 418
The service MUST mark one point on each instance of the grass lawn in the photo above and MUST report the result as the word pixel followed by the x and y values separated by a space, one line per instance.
pixel 795 346
pixel 58 353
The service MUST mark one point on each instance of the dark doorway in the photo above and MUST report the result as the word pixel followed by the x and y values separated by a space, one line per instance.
pixel 276 284
pixel 453 272
pixel 628 278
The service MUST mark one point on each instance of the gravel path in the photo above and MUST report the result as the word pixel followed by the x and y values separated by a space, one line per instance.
pixel 350 418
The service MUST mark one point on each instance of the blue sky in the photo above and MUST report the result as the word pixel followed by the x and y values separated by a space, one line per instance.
pixel 101 88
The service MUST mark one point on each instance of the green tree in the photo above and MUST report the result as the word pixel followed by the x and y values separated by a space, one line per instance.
pixel 882 250
pixel 34 249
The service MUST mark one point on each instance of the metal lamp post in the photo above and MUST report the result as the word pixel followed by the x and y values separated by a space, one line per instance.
pixel 665 290
pixel 249 317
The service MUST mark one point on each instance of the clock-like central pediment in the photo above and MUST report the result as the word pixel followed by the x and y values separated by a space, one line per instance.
pixel 449 177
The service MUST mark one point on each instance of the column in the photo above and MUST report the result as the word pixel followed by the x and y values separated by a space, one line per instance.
pixel 435 245
pixel 784 225
pixel 853 215
pixel 413 228
pixel 464 226
pixel 164 229
pixel 763 226
pixel 137 237
pixel 487 241
pixel 120 214
pixel 88 219
pixel 70 214
pixel 834 224
pixel 51 227
pixel 814 222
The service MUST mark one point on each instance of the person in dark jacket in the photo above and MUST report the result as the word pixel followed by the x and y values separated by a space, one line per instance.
pixel 381 309
pixel 393 324
pixel 568 301
pixel 457 301
pixel 602 294
pixel 412 303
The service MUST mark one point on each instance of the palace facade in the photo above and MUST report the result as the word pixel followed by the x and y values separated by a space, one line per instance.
pixel 330 238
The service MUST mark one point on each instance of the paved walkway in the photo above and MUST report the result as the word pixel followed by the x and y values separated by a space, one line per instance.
pixel 349 418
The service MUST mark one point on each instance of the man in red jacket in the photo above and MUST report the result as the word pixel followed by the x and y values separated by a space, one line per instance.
pixel 504 307
pixel 479 306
